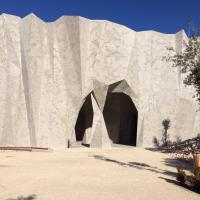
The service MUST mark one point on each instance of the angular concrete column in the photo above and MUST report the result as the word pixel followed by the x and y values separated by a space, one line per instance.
pixel 100 93
pixel 99 133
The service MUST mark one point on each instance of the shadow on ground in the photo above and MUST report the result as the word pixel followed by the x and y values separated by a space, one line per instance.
pixel 152 149
pixel 171 162
pixel 30 197
pixel 136 165
pixel 185 164
pixel 3 165
pixel 143 166
pixel 174 182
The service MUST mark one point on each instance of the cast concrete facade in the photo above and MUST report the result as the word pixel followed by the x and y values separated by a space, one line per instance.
pixel 89 80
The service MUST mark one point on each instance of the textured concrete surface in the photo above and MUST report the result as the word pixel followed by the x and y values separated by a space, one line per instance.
pixel 48 69
pixel 80 174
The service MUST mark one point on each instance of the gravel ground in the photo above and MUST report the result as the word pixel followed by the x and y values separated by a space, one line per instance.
pixel 84 174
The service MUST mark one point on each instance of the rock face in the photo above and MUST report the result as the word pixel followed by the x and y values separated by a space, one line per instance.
pixel 89 80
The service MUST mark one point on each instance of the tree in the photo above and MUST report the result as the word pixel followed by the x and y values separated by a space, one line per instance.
pixel 189 61
pixel 165 137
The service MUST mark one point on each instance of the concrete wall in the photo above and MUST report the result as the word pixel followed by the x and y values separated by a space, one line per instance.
pixel 48 69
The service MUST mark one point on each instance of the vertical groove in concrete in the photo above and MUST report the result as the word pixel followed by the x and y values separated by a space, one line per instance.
pixel 28 99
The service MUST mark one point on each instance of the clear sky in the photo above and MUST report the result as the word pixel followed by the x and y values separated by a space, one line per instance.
pixel 168 16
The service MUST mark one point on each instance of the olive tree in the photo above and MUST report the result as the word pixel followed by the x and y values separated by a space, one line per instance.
pixel 189 61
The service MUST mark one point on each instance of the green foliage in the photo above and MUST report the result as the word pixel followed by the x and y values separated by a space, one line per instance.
pixel 188 61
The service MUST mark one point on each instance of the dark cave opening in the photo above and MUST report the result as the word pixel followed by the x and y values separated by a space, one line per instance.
pixel 85 119
pixel 120 115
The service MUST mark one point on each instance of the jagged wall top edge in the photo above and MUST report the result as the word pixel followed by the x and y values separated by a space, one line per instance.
pixel 93 20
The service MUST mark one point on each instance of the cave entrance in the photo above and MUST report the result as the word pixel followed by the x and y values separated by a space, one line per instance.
pixel 120 115
pixel 84 122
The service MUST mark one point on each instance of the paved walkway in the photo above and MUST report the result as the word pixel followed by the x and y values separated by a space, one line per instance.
pixel 84 174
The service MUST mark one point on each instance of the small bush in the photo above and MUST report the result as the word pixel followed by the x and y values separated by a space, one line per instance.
pixel 156 142
pixel 181 176
pixel 195 178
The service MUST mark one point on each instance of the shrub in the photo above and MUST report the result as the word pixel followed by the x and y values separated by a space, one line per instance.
pixel 192 180
pixel 181 176
pixel 195 178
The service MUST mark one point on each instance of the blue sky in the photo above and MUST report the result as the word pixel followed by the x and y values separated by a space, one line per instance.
pixel 168 16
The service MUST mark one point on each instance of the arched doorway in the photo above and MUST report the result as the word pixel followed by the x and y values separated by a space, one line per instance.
pixel 120 115
pixel 84 120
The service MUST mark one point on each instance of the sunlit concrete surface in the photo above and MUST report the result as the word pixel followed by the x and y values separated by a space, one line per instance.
pixel 84 174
